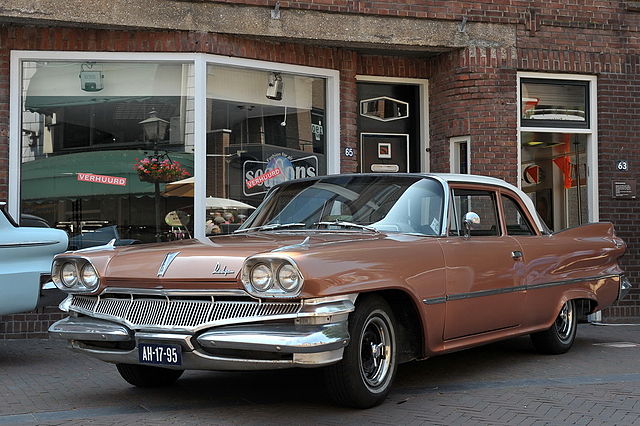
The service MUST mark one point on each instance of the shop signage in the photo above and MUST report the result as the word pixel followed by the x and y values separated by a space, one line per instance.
pixel 279 167
pixel 108 180
pixel 317 130
pixel 263 178
pixel 624 189
pixel 533 174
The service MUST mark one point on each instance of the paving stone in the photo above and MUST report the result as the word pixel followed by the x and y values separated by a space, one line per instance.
pixel 42 382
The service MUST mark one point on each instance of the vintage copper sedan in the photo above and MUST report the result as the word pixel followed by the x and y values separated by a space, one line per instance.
pixel 353 273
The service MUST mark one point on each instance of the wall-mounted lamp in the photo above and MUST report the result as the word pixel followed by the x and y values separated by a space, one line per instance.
pixel 33 137
pixel 274 87
pixel 90 79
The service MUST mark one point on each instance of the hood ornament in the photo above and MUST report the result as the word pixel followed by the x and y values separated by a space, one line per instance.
pixel 222 270
pixel 166 262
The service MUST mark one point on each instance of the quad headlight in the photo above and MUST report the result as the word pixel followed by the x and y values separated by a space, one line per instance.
pixel 271 276
pixel 74 275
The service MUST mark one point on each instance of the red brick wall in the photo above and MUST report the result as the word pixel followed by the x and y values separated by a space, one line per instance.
pixel 599 38
pixel 31 325
pixel 472 92
pixel 592 14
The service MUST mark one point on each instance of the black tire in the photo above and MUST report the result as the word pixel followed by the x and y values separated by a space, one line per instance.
pixel 559 338
pixel 363 377
pixel 145 376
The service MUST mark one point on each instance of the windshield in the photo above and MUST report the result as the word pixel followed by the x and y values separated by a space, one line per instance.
pixel 404 204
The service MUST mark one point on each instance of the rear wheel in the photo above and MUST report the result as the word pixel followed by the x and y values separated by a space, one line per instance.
pixel 559 338
pixel 363 377
pixel 145 376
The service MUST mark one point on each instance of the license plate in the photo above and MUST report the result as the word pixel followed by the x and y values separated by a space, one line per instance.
pixel 153 353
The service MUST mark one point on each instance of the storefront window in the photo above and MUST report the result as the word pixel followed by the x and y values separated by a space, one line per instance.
pixel 552 103
pixel 263 128
pixel 88 165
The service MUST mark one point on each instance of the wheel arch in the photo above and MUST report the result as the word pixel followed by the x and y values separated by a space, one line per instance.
pixel 411 334
pixel 585 303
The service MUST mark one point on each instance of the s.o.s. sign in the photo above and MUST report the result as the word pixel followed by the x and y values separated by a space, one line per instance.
pixel 259 176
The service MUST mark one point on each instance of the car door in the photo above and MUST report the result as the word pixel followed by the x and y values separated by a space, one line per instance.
pixel 483 271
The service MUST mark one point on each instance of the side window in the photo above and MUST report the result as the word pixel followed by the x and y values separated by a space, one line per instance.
pixel 516 221
pixel 483 203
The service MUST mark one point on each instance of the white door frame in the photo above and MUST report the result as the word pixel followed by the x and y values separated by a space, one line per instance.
pixel 593 207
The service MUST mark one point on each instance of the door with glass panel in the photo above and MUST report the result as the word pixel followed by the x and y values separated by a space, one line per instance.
pixel 555 164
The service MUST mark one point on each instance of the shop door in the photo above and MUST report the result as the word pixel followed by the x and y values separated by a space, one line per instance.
pixel 389 127
pixel 554 176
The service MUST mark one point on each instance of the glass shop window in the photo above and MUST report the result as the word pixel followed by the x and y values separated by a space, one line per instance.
pixel 263 128
pixel 554 103
pixel 101 143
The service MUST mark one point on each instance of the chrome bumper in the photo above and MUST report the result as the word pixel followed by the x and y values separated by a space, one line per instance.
pixel 316 338
pixel 625 286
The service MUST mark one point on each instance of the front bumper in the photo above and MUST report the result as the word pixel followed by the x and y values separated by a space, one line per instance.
pixel 315 337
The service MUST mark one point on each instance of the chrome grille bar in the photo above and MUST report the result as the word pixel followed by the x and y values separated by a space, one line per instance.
pixel 171 313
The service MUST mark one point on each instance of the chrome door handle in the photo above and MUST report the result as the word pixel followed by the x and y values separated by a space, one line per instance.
pixel 516 254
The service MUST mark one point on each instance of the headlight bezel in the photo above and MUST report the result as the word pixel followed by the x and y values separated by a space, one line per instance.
pixel 274 262
pixel 68 283
pixel 80 285
pixel 269 276
pixel 280 279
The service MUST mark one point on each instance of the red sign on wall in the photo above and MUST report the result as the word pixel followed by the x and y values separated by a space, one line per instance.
pixel 108 180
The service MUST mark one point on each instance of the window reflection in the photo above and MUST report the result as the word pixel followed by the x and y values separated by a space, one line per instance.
pixel 544 102
pixel 84 145
pixel 261 131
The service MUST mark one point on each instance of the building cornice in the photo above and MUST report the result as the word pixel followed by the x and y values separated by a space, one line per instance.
pixel 332 29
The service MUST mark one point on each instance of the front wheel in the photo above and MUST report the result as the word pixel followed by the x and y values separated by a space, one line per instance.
pixel 363 377
pixel 146 376
pixel 559 338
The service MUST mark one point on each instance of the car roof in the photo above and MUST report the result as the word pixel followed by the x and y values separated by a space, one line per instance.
pixel 487 180
pixel 462 178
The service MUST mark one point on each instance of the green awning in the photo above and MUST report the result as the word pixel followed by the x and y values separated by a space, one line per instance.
pixel 57 177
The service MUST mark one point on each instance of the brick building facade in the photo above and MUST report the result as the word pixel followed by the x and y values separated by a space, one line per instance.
pixel 473 58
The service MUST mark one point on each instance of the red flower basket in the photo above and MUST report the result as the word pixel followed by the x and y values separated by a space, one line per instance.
pixel 156 170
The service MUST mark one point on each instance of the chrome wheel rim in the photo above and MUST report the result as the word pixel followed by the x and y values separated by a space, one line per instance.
pixel 564 322
pixel 375 352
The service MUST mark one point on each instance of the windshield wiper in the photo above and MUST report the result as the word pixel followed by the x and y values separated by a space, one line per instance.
pixel 345 224
pixel 270 227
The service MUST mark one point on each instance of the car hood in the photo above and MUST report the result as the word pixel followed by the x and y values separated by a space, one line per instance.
pixel 209 259
pixel 326 259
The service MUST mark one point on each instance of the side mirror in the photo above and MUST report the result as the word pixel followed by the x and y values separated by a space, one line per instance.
pixel 470 219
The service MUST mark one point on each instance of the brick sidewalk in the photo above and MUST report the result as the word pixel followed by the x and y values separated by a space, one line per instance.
pixel 41 382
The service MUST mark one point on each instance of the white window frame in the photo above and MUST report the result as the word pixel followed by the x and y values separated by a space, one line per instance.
pixel 200 62
pixel 593 210
pixel 423 92
pixel 453 153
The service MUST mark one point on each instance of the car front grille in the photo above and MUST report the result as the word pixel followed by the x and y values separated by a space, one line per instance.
pixel 180 314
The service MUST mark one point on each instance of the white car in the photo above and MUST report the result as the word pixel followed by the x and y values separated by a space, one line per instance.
pixel 25 262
